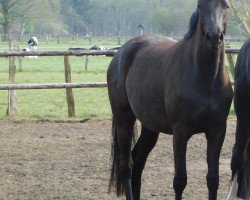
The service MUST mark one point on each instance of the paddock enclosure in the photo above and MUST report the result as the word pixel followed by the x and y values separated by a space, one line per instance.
pixel 45 160
pixel 33 78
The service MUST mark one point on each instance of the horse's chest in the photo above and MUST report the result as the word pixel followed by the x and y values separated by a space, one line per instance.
pixel 205 107
pixel 199 107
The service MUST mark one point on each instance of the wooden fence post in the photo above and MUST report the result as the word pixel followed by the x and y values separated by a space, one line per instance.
pixel 12 106
pixel 20 61
pixel 86 63
pixel 230 61
pixel 69 92
pixel 47 38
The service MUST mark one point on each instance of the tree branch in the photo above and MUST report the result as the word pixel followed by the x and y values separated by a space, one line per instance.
pixel 13 4
pixel 241 12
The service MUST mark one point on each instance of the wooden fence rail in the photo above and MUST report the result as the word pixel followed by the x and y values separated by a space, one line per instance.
pixel 52 86
pixel 58 53
pixel 68 85
pixel 76 53
pixel 232 50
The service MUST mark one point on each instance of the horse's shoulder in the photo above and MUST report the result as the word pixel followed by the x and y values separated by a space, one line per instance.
pixel 148 40
pixel 248 43
pixel 242 68
pixel 245 49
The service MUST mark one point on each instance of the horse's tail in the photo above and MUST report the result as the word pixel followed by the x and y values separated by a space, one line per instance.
pixel 115 178
pixel 244 176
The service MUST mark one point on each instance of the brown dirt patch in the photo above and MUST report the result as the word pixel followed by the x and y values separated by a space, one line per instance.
pixel 44 160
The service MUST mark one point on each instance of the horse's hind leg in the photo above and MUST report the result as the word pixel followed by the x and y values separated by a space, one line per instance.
pixel 144 145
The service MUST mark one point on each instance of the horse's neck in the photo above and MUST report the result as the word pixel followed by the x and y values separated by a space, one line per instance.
pixel 209 61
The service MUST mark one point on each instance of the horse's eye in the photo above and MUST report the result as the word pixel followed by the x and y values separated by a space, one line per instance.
pixel 226 5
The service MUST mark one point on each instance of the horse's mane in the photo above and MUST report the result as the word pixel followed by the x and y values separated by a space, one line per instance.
pixel 192 25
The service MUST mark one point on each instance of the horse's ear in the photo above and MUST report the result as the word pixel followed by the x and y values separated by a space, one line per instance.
pixel 192 25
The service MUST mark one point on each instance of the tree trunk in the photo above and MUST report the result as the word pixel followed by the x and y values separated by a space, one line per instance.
pixel 6 31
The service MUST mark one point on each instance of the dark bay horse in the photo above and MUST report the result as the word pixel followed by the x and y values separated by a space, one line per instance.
pixel 240 163
pixel 179 88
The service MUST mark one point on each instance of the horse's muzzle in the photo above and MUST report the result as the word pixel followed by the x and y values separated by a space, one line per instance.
pixel 214 38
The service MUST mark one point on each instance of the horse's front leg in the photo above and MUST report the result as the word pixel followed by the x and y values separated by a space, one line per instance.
pixel 215 138
pixel 180 139
pixel 240 159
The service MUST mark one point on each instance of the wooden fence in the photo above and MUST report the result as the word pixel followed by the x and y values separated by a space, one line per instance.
pixel 11 87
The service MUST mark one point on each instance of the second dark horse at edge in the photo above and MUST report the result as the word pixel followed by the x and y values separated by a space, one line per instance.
pixel 179 88
pixel 240 162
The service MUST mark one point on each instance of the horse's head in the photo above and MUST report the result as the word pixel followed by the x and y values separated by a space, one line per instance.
pixel 213 20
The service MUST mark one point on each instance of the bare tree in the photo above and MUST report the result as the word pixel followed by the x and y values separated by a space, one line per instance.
pixel 7 19
pixel 241 12
pixel 11 13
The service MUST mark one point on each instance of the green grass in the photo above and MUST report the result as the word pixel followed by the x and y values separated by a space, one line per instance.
pixel 52 104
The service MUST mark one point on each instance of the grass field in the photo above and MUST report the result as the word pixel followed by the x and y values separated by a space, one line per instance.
pixel 51 104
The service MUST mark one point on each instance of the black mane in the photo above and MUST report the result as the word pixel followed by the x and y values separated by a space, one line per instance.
pixel 192 25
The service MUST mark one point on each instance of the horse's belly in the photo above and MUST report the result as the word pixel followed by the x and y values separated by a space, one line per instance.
pixel 157 122
pixel 151 113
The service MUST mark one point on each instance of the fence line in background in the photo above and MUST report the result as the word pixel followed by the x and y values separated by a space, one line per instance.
pixel 52 86
pixel 68 85
pixel 76 53
pixel 59 53
pixel 90 37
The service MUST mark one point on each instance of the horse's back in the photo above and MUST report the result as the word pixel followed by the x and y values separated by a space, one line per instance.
pixel 123 60
pixel 126 54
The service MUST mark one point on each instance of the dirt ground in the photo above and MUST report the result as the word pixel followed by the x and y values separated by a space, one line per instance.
pixel 44 160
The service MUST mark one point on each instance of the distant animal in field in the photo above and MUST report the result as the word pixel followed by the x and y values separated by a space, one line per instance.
pixel 240 162
pixel 179 88
pixel 76 49
pixel 115 48
pixel 32 46
pixel 95 47
pixel 33 43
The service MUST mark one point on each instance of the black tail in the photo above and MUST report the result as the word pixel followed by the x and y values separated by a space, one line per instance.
pixel 244 177
pixel 115 182
pixel 115 179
